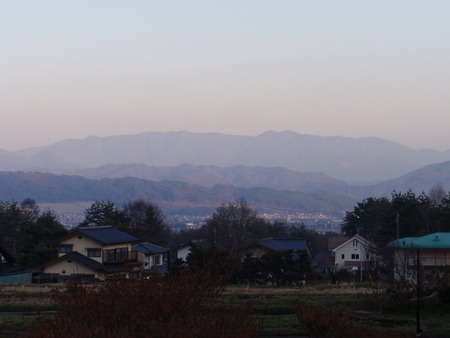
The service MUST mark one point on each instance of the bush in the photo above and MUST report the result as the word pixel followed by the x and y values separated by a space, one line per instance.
pixel 332 323
pixel 185 305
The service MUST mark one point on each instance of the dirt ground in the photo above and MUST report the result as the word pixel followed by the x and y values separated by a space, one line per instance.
pixel 29 288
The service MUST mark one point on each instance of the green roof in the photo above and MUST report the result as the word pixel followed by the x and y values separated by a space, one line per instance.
pixel 437 240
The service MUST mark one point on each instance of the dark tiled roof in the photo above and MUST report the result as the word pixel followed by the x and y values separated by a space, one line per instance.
pixel 323 259
pixel 107 235
pixel 80 258
pixel 202 243
pixel 284 244
pixel 147 248
pixel 161 269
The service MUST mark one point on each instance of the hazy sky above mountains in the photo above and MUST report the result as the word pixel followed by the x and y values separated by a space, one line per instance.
pixel 72 69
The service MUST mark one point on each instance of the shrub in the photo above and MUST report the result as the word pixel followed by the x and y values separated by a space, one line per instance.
pixel 185 305
pixel 332 323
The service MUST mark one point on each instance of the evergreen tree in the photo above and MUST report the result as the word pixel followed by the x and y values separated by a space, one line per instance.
pixel 40 236
pixel 105 213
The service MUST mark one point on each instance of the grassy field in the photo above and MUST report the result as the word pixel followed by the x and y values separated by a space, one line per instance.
pixel 271 304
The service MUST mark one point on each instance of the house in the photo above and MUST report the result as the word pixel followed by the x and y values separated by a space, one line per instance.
pixel 7 261
pixel 433 250
pixel 155 257
pixel 280 244
pixel 351 253
pixel 184 250
pixel 260 248
pixel 94 252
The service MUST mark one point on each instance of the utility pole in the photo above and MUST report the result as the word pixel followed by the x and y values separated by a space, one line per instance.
pixel 361 265
pixel 398 225
pixel 418 330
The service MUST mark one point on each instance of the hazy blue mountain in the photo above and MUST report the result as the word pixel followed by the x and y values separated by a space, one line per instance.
pixel 275 178
pixel 172 196
pixel 421 180
pixel 355 160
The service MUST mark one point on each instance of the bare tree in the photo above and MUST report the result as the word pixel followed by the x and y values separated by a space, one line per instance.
pixel 147 221
pixel 234 227
pixel 437 194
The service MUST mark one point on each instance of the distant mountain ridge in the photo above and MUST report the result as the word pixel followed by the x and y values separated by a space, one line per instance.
pixel 421 180
pixel 209 176
pixel 418 181
pixel 354 160
pixel 172 196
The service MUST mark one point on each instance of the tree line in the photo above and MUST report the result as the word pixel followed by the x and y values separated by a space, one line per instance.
pixel 30 234
pixel 382 220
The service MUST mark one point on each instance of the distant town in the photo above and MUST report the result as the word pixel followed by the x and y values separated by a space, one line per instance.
pixel 319 222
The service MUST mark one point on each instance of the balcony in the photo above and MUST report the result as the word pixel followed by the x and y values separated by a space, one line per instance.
pixel 119 256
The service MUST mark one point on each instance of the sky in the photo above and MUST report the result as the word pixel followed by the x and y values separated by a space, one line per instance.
pixel 73 69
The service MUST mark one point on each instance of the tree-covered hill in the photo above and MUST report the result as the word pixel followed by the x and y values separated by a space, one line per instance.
pixel 172 196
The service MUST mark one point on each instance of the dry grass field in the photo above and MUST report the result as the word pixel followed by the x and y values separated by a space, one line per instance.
pixel 274 305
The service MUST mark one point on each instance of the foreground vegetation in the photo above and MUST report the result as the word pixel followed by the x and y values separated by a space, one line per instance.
pixel 239 311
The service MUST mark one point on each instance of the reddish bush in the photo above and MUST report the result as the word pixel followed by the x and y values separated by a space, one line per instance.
pixel 332 323
pixel 178 306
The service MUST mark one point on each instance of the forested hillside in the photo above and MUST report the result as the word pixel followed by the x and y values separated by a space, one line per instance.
pixel 172 196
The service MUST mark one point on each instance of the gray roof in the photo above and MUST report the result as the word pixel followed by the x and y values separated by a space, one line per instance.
pixel 285 244
pixel 82 259
pixel 148 248
pixel 105 235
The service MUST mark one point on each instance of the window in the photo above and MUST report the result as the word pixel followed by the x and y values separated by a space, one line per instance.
pixel 355 242
pixel 65 248
pixel 93 252
pixel 355 256
pixel 343 256
pixel 111 255
pixel 123 253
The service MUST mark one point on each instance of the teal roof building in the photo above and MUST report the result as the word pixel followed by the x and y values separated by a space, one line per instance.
pixel 437 240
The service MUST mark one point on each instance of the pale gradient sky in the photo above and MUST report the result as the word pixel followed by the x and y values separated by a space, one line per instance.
pixel 72 69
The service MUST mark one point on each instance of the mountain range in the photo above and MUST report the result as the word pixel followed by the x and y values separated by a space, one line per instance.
pixel 275 172
pixel 358 161
pixel 174 197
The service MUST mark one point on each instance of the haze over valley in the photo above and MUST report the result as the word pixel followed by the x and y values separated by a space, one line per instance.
pixel 190 174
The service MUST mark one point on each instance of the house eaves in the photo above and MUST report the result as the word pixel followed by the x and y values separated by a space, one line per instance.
pixel 79 258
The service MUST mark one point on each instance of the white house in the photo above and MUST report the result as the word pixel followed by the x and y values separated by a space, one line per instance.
pixel 351 252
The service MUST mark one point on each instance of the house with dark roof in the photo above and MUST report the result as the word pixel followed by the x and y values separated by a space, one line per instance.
pixel 184 249
pixel 433 250
pixel 155 257
pixel 280 244
pixel 94 252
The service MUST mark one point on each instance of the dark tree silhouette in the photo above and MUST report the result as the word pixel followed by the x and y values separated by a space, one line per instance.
pixel 105 213
pixel 146 221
